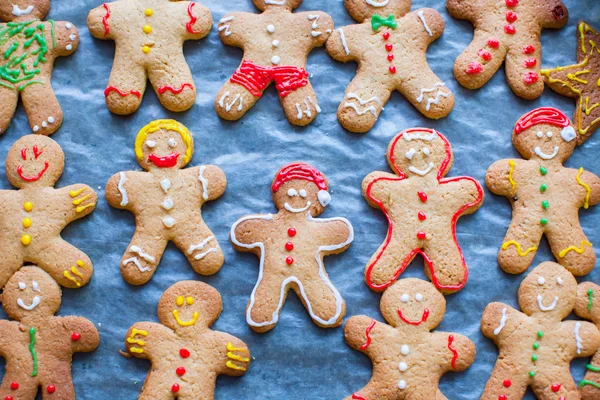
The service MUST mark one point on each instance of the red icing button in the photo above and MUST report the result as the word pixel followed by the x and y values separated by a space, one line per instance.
pixel 529 49
pixel 530 78
pixel 75 337
pixel 289 246
pixel 486 55
pixel 291 232
pixel 289 261
pixel 421 235
pixel 474 68
pixel 180 371
pixel 507 383
pixel 493 43
pixel 392 69
pixel 184 353
pixel 390 57
pixel 8 398
pixel 386 35
pixel 422 216
pixel 555 387
pixel 175 388
pixel 51 389
pixel 512 3
pixel 562 398
pixel 422 196
pixel 530 62
pixel 510 29
pixel 14 385
pixel 511 16
pixel 502 397
pixel 389 46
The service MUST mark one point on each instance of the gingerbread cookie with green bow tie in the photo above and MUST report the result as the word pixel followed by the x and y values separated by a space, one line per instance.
pixel 389 45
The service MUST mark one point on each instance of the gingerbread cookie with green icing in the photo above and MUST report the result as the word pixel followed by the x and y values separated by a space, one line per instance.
pixel 28 48
pixel 588 307
pixel 32 217
pixel 186 355
pixel 545 196
pixel 408 359
pixel 389 44
pixel 149 35
pixel 536 346
pixel 37 345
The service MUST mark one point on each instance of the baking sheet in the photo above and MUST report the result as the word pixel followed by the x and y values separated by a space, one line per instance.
pixel 297 360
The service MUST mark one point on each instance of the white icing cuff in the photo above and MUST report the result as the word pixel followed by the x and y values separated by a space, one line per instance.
pixel 324 197
pixel 568 134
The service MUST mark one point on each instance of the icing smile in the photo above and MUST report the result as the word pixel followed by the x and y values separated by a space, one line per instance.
pixel 423 318
pixel 545 156
pixel 35 177
pixel 34 303
pixel 378 3
pixel 165 161
pixel 275 2
pixel 421 172
pixel 297 210
pixel 185 323
pixel 550 307
pixel 19 11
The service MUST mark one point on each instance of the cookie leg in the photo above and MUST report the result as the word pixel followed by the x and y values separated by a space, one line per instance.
pixel 522 71
pixel 42 108
pixel 233 101
pixel 8 99
pixel 480 61
pixel 201 249
pixel 301 106
pixel 59 388
pixel 266 302
pixel 589 387
pixel 155 388
pixel 143 255
pixel 573 250
pixel 375 391
pixel 362 104
pixel 27 389
pixel 501 383
pixel 68 265
pixel 520 245
pixel 386 265
pixel 445 266
pixel 322 300
pixel 126 86
pixel 555 386
pixel 174 85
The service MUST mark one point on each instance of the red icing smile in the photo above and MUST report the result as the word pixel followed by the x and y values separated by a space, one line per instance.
pixel 35 177
pixel 164 162
pixel 423 318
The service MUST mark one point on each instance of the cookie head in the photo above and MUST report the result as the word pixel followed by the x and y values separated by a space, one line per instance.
pixel 164 143
pixel 361 10
pixel 34 160
pixel 300 188
pixel 31 293
pixel 24 10
pixel 545 134
pixel 263 5
pixel 189 306
pixel 413 302
pixel 549 289
pixel 420 152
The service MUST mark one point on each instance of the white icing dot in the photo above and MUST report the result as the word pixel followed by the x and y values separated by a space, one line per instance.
pixel 68 25
pixel 292 193
pixel 404 298
pixel 275 60
pixel 402 384
pixel 541 280
pixel 150 143
pixel 72 36
pixel 419 297
pixel 69 47
pixel 559 281
pixel 22 286
pixel 539 134
pixel 426 151
pixel 51 120
pixel 302 192
pixel 168 222
pixel 404 349
pixel 44 124
pixel 172 142
pixel 270 28
pixel 36 128
pixel 275 43
pixel 168 204
pixel 402 366
pixel 549 134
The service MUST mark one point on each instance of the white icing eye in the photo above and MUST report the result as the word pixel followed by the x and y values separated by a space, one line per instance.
pixel 549 134
pixel 419 297
pixel 404 298
pixel 540 134
pixel 172 143
pixel 151 143
pixel 426 151
pixel 409 154
pixel 292 193
pixel 302 193
pixel 559 281
pixel 541 280
pixel 22 286
pixel 36 287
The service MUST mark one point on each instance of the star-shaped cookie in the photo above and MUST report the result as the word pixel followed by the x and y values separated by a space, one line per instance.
pixel 581 81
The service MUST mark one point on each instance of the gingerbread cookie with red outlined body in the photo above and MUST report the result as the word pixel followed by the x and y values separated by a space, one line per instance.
pixel 186 355
pixel 291 245
pixel 408 359
pixel 29 47
pixel 166 200
pixel 276 44
pixel 536 345
pixel 506 30
pixel 32 217
pixel 149 36
pixel 389 45
pixel 544 195
pixel 422 208
pixel 38 346
pixel 588 307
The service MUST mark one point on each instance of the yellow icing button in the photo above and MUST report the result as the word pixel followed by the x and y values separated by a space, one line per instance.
pixel 146 49
pixel 26 239
pixel 147 29
pixel 149 12
pixel 26 222
pixel 28 206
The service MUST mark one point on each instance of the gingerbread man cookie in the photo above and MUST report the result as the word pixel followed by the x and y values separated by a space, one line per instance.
pixel 291 245
pixel 37 345
pixel 535 345
pixel 581 81
pixel 545 196
pixel 149 36
pixel 408 359
pixel 166 200
pixel 422 208
pixel 389 45
pixel 588 307
pixel 186 355
pixel 28 48
pixel 276 44
pixel 33 217
pixel 506 29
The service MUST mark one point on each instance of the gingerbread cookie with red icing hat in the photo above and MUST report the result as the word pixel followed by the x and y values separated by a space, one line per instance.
pixel 506 30
pixel 408 359
pixel 389 45
pixel 291 245
pixel 33 216
pixel 37 345
pixel 544 195
pixel 422 208
pixel 186 355
pixel 149 35
pixel 276 44
pixel 536 345
pixel 166 199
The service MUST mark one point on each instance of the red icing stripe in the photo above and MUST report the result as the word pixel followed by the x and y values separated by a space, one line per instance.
pixel 357 396
pixel 105 19
pixel 121 93
pixel 193 19
pixel 163 89
pixel 542 115
pixel 453 350
pixel 368 336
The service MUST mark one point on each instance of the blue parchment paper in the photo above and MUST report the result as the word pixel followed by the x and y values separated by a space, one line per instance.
pixel 297 360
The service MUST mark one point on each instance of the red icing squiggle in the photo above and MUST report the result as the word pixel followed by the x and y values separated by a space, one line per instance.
pixel 35 177
pixel 105 19
pixel 356 396
pixel 408 321
pixel 368 336
pixel 414 252
pixel 299 171
pixel 173 90
pixel 24 153
pixel 121 93
pixel 255 78
pixel 542 115
pixel 193 20
pixel 37 152
pixel 453 350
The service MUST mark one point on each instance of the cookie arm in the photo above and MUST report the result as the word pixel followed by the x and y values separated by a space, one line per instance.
pixel 499 177
pixel 472 194
pixel 144 338
pixel 495 318
pixel 67 38
pixel 587 305
pixel 8 331
pixel 117 193
pixel 552 14
pixel 340 45
pixel 246 233
pixel 79 200
pixel 593 182
pixel 200 21
pixel 232 355
pixel 432 22
pixel 374 187
pixel 360 331
pixel 458 350
pixel 98 22
pixel 585 337
pixel 83 334
pixel 320 25
pixel 336 233
pixel 232 28
pixel 212 179
pixel 462 9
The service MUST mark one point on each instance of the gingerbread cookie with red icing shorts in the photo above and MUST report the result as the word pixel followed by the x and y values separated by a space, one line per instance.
pixel 588 307
pixel 29 47
pixel 38 346
pixel 536 346
pixel 581 81
pixel 421 207
pixel 32 217
pixel 506 29
pixel 166 200
pixel 408 359
pixel 291 245
pixel 186 355
pixel 389 45
pixel 149 35
pixel 544 195
pixel 276 44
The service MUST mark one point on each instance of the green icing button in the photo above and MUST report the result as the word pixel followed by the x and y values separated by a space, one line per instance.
pixel 544 221
pixel 540 334
pixel 536 346
pixel 543 187
pixel 531 374
pixel 545 204
pixel 534 358
pixel 543 171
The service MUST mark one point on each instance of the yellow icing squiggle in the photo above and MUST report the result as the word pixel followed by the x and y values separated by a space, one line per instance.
pixel 510 175
pixel 69 277
pixel 518 246
pixel 586 203
pixel 231 365
pixel 575 249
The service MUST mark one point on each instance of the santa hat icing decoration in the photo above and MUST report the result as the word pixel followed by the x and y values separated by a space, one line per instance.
pixel 547 115
pixel 305 172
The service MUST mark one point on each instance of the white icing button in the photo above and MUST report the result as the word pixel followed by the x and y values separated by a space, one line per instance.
pixel 541 280
pixel 275 43
pixel 51 120
pixel 419 297
pixel 402 366
pixel 404 349
pixel 559 281
pixel 36 128
pixel 167 204
pixel 69 47
pixel 402 385
pixel 72 36
pixel 22 286
pixel 165 184
pixel 275 60
pixel 404 298
pixel 44 124
pixel 270 28
pixel 169 222
pixel 68 25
